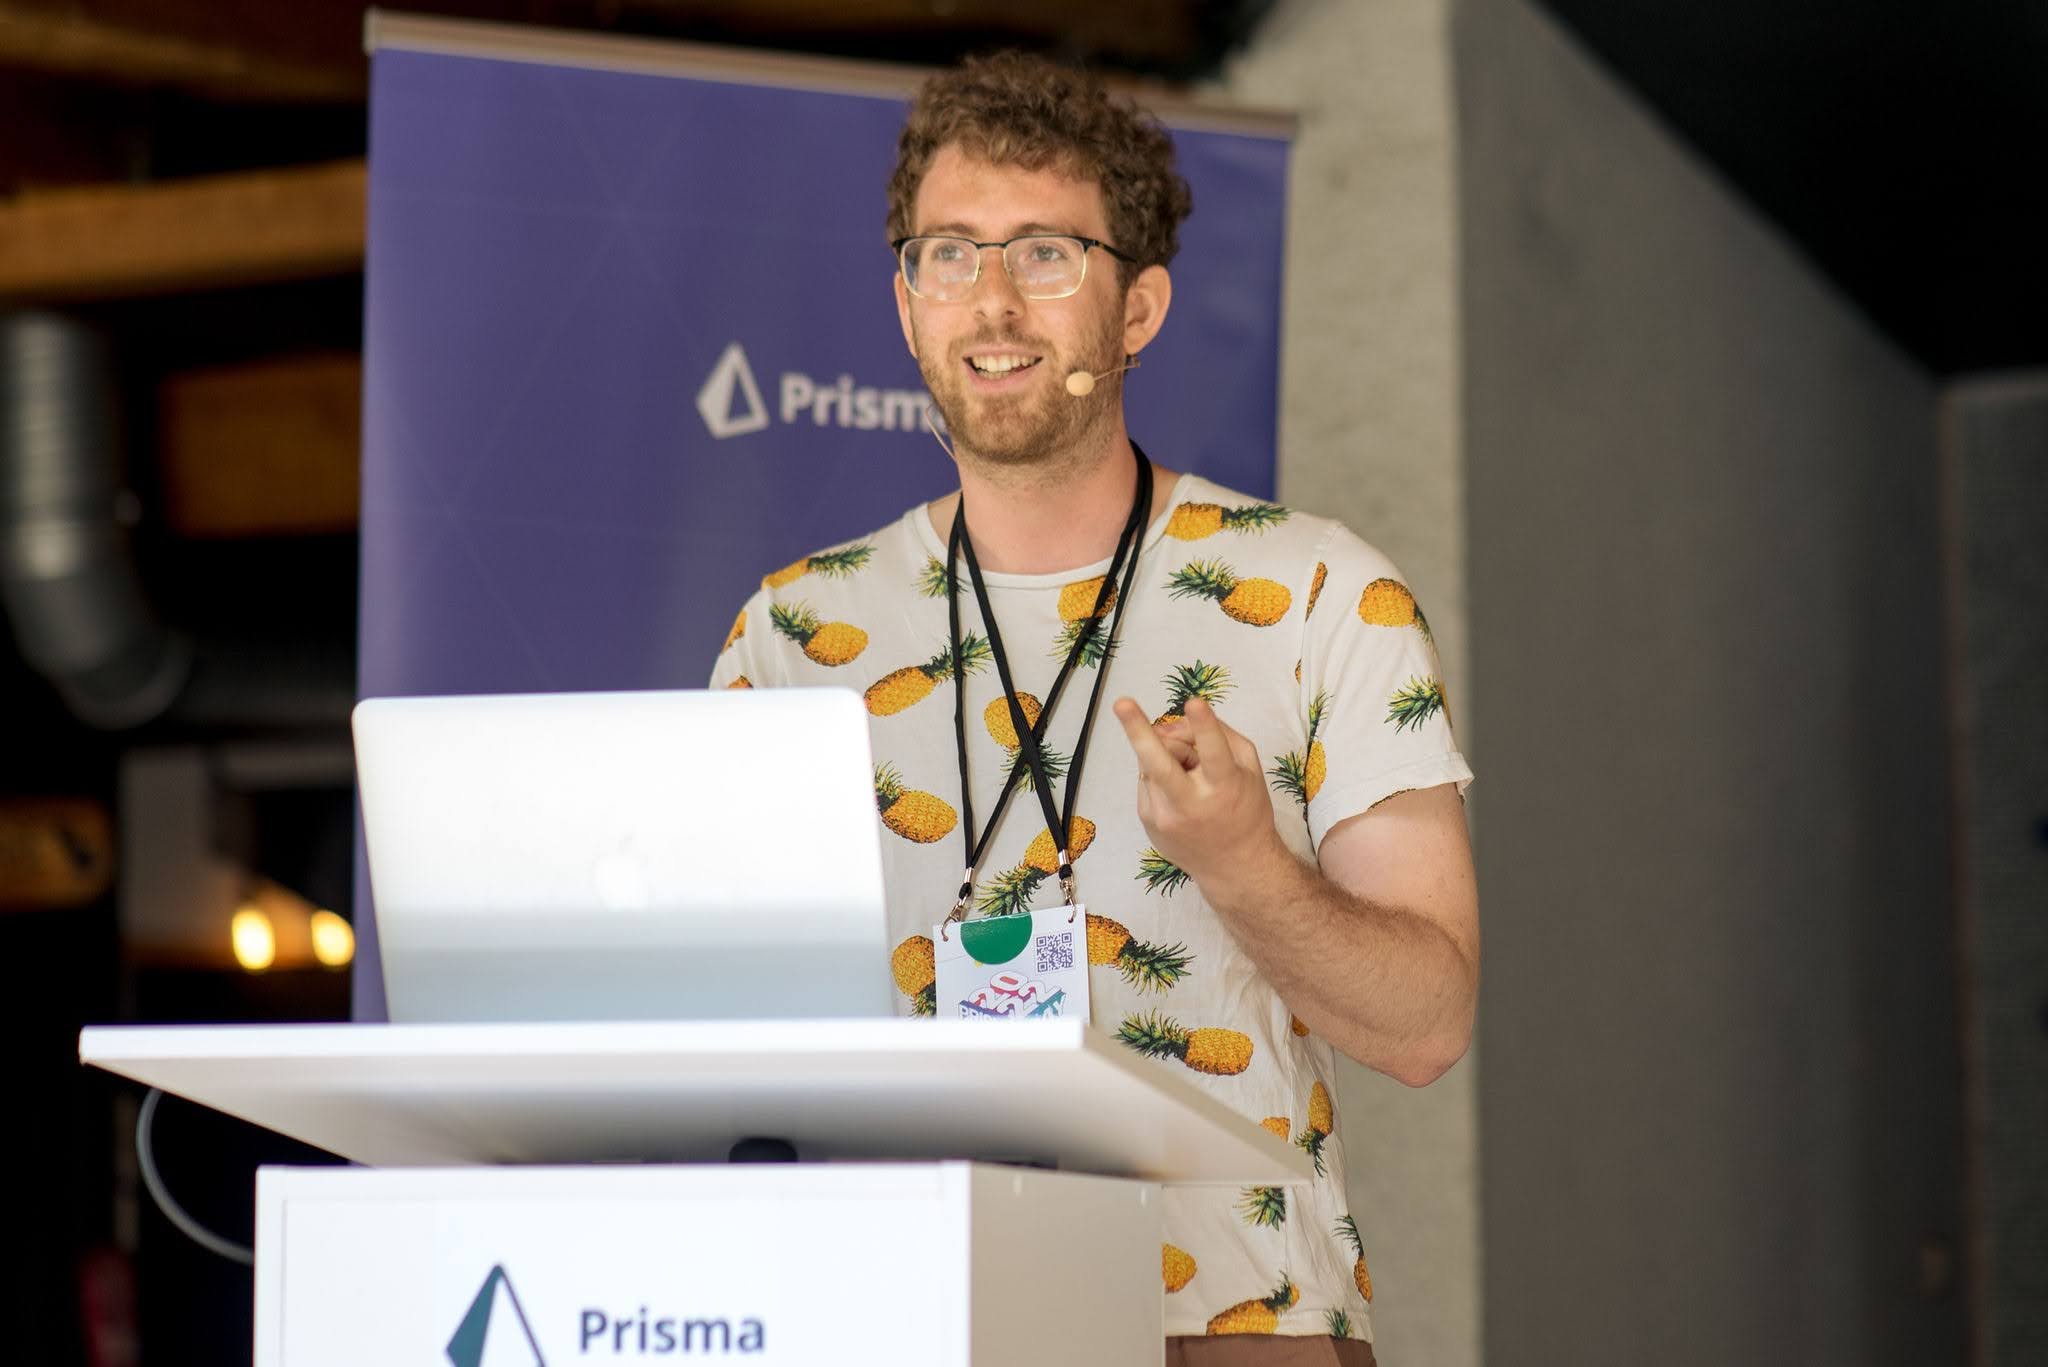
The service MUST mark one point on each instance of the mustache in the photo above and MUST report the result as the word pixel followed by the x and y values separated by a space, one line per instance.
pixel 1004 337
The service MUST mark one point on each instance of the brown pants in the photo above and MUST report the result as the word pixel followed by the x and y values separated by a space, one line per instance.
pixel 1266 1350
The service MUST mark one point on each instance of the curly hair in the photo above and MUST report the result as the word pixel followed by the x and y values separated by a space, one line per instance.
pixel 1017 110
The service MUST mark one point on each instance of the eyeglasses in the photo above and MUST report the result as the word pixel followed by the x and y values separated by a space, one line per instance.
pixel 1040 265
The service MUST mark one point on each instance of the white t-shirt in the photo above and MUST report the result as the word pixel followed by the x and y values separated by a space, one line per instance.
pixel 1279 618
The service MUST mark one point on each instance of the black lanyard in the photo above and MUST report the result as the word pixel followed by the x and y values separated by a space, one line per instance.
pixel 1029 735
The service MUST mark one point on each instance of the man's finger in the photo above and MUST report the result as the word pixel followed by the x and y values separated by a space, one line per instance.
pixel 1207 733
pixel 1175 734
pixel 1155 761
pixel 1241 746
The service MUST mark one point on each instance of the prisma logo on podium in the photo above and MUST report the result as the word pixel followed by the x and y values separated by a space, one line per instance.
pixel 731 404
pixel 495 1332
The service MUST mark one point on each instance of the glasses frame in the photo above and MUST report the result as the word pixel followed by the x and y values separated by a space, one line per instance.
pixel 901 247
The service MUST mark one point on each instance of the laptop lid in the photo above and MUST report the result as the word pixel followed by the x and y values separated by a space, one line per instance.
pixel 624 856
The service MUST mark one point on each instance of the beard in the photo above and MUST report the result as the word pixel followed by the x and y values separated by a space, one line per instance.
pixel 1025 429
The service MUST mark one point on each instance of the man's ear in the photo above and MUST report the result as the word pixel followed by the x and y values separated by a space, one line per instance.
pixel 903 313
pixel 1145 305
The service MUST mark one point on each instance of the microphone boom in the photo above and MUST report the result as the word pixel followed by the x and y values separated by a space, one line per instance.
pixel 1081 384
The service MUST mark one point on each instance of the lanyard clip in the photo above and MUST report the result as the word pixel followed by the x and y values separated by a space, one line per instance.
pixel 1067 882
pixel 959 911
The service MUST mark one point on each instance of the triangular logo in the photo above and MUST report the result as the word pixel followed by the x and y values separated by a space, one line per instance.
pixel 494 1331
pixel 730 401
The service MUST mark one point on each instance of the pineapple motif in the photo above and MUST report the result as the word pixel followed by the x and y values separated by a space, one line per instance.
pixel 741 681
pixel 1043 855
pixel 1193 521
pixel 1387 603
pixel 1161 874
pixel 1315 591
pixel 906 687
pixel 832 564
pixel 917 974
pixel 1094 653
pixel 1002 729
pixel 1322 1123
pixel 935 581
pixel 1347 1229
pixel 1297 1025
pixel 1415 703
pixel 1260 1316
pixel 1077 607
pixel 739 629
pixel 1177 1266
pixel 1011 891
pixel 826 643
pixel 1275 1125
pixel 1218 1052
pixel 1077 600
pixel 1148 967
pixel 1263 1207
pixel 1322 1116
pixel 1255 602
pixel 1299 773
pixel 1338 1323
pixel 918 816
pixel 1185 683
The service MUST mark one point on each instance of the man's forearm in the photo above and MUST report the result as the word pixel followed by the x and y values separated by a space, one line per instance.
pixel 1386 986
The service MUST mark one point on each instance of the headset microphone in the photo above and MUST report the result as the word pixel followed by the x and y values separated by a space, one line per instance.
pixel 1081 384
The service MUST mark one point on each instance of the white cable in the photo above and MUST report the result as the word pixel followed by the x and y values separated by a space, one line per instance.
pixel 174 1212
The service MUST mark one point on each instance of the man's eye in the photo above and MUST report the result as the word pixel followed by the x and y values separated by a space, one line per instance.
pixel 944 253
pixel 1048 252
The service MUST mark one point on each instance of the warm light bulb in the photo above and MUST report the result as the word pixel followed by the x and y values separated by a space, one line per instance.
pixel 334 940
pixel 254 939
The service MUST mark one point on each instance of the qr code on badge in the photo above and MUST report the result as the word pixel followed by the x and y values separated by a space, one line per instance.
pixel 1054 951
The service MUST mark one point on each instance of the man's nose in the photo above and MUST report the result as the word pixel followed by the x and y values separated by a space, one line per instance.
pixel 995 294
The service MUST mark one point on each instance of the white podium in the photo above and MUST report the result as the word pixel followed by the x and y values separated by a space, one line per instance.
pixel 969 1193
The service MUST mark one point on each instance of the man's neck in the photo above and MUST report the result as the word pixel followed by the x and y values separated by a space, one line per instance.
pixel 1043 521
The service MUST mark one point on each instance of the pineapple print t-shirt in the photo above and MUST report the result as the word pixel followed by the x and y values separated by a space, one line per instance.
pixel 1307 640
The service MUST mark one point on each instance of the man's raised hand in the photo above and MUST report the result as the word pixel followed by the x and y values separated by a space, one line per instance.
pixel 1201 791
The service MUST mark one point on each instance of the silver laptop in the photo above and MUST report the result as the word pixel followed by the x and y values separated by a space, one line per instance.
pixel 624 856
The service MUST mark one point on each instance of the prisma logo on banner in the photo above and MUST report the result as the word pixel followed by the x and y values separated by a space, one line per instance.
pixel 495 1331
pixel 730 401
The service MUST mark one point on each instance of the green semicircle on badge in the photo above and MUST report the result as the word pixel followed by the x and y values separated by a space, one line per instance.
pixel 996 939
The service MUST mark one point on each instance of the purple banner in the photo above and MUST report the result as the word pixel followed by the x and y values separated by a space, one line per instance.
pixel 630 343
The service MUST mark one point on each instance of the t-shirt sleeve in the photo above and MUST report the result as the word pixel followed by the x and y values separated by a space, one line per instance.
pixel 742 658
pixel 1371 688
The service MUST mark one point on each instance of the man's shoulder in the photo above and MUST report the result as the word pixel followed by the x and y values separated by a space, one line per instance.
pixel 1209 518
pixel 808 620
pixel 891 545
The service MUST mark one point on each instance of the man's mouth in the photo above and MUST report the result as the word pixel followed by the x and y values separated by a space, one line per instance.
pixel 999 367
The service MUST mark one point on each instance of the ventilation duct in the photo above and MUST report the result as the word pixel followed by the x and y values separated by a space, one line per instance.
pixel 67 579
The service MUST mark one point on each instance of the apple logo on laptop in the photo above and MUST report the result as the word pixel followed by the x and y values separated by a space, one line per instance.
pixel 621 881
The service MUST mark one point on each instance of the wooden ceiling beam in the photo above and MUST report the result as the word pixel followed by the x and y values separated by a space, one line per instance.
pixel 206 232
pixel 1155 29
pixel 250 50
pixel 228 52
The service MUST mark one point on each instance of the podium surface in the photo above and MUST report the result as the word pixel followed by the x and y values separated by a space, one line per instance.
pixel 1048 1092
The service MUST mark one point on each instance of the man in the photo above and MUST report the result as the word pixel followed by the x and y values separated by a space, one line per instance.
pixel 1260 890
